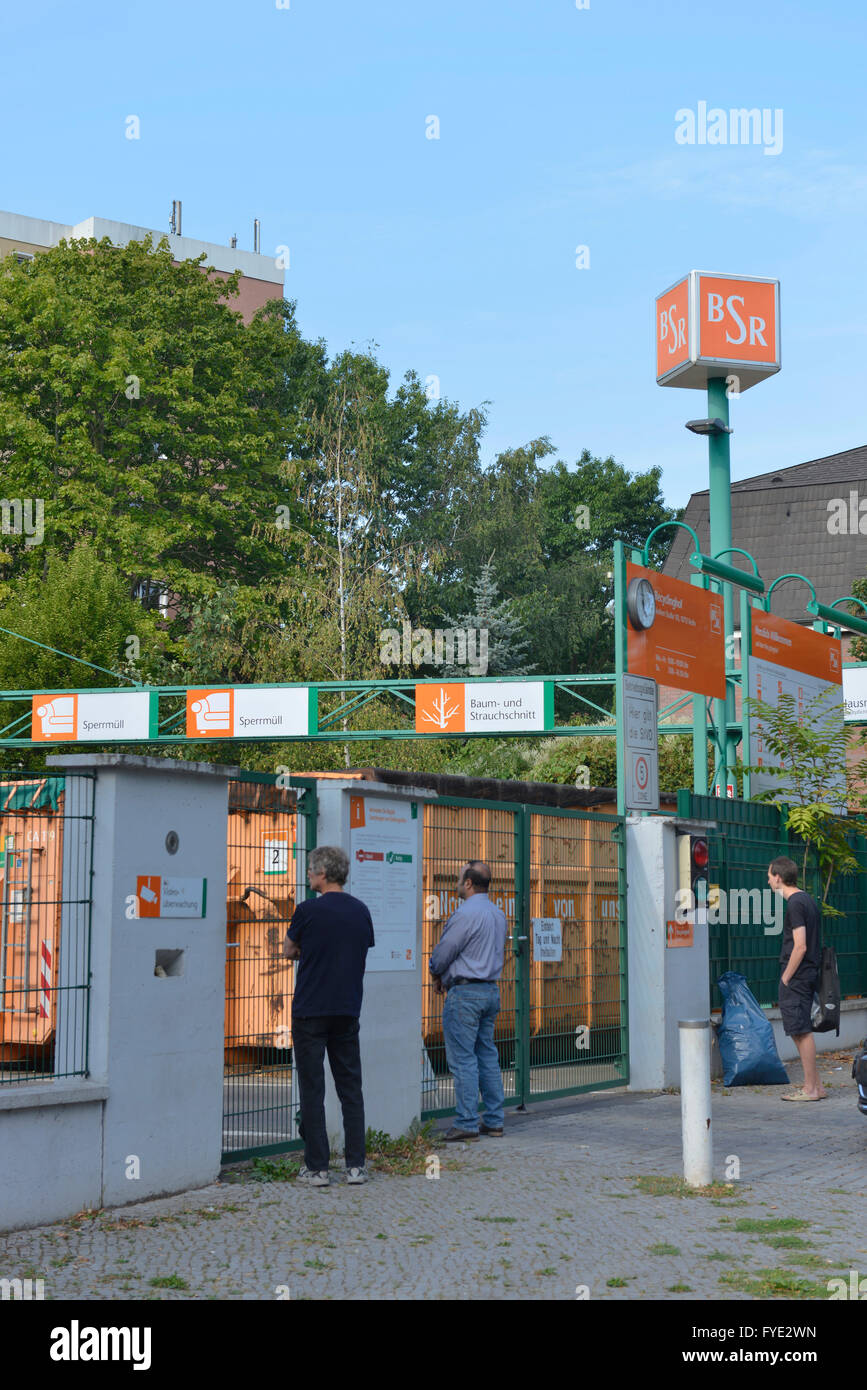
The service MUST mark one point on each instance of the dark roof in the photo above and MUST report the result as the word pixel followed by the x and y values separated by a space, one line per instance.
pixel 492 789
pixel 782 519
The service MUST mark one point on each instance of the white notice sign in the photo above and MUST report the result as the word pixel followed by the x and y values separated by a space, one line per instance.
pixel 641 738
pixel 249 712
pixel 115 717
pixel 158 896
pixel 384 846
pixel 547 938
pixel 855 693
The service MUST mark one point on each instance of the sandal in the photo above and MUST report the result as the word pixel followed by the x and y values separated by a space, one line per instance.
pixel 799 1095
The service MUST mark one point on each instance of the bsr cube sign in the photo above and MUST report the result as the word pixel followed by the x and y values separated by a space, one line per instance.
pixel 717 326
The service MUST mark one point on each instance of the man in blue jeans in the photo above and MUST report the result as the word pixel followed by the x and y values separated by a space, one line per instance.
pixel 467 962
pixel 331 936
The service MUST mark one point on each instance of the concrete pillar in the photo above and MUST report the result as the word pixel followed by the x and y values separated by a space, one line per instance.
pixel 391 1038
pixel 155 1039
pixel 666 982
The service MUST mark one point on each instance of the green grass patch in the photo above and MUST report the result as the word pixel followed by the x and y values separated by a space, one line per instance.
pixel 616 1283
pixel 811 1261
pixel 759 1226
pixel 168 1281
pixel 786 1242
pixel 663 1249
pixel 275 1169
pixel 719 1255
pixel 501 1220
pixel 679 1288
pixel 660 1185
pixel 772 1283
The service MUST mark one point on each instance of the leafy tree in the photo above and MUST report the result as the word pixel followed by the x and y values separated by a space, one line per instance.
pixel 152 421
pixel 82 607
pixel 814 783
pixel 599 501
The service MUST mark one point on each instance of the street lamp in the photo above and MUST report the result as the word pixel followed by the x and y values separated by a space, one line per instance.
pixel 715 426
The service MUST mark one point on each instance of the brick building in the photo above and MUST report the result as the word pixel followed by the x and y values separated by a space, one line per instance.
pixel 261 278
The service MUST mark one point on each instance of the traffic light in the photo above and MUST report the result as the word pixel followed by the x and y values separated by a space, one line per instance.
pixel 693 860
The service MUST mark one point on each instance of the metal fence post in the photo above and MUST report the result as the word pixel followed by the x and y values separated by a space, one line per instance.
pixel 522 957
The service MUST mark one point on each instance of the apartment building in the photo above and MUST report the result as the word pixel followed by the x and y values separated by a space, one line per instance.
pixel 261 278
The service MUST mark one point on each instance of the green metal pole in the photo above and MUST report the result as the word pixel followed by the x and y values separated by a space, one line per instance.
pixel 746 646
pixel 523 947
pixel 619 668
pixel 699 727
pixel 719 461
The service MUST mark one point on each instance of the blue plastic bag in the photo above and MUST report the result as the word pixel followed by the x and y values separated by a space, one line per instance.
pixel 746 1038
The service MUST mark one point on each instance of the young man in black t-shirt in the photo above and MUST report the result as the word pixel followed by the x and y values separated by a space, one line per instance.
pixel 330 936
pixel 800 958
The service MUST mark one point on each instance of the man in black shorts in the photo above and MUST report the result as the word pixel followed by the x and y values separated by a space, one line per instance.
pixel 800 958
pixel 330 936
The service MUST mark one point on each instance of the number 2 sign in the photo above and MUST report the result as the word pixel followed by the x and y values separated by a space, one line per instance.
pixel 275 852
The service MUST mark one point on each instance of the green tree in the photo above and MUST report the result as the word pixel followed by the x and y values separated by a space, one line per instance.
pixel 814 785
pixel 152 421
pixel 498 631
pixel 599 501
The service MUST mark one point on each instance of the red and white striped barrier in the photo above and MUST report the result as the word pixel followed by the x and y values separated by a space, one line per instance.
pixel 45 983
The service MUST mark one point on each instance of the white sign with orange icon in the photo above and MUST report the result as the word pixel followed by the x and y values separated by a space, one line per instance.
pixel 113 717
pixel 157 896
pixel 249 712
pixel 718 326
pixel 484 708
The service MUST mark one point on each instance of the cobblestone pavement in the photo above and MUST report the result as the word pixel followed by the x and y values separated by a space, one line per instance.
pixel 553 1206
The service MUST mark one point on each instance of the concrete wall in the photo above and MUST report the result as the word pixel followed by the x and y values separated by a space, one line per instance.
pixel 155 1089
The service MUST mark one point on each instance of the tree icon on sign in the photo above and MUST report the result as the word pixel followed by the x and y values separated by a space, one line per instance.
pixel 441 711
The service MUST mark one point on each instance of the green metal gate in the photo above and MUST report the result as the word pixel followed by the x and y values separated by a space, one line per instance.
pixel 562 1027
pixel 271 830
pixel 750 834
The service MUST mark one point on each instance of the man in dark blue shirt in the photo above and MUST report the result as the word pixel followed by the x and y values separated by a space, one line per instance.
pixel 330 937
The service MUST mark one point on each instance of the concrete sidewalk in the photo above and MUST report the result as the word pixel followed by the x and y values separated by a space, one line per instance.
pixel 553 1208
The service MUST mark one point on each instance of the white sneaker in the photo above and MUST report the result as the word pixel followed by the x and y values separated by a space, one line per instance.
pixel 311 1179
pixel 354 1176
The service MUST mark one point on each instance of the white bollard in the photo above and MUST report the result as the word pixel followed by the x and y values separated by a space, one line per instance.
pixel 695 1109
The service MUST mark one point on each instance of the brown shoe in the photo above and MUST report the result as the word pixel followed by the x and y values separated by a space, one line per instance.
pixel 494 1133
pixel 455 1135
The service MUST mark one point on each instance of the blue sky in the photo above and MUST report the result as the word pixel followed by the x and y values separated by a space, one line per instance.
pixel 456 256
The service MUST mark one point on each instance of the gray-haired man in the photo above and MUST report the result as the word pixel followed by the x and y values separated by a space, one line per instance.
pixel 331 936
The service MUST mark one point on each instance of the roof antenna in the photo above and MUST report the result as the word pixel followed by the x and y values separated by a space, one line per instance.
pixel 175 224
pixel 257 240
pixel 234 242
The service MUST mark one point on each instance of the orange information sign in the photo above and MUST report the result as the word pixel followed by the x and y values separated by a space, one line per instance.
pixel 797 648
pixel 718 326
pixel 685 645
pixel 679 934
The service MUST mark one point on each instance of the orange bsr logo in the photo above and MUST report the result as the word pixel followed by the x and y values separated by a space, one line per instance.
pixel 672 329
pixel 737 319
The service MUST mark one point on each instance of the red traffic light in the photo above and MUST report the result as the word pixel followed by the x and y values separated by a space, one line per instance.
pixel 700 854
